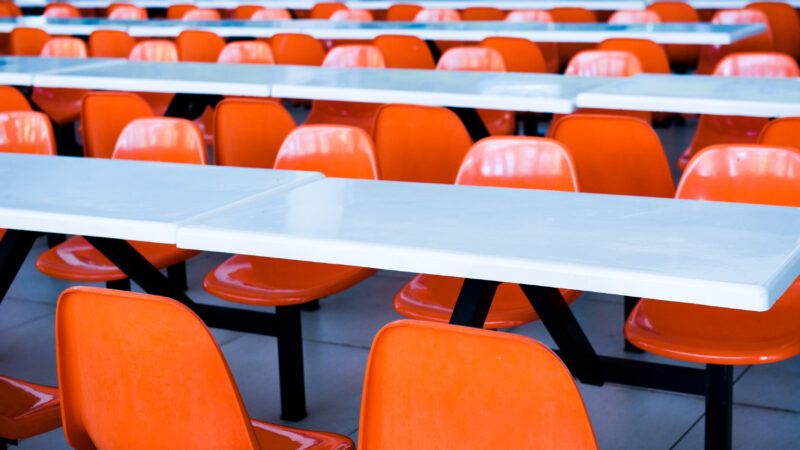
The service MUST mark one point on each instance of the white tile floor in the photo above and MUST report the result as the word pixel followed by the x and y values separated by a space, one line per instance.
pixel 337 340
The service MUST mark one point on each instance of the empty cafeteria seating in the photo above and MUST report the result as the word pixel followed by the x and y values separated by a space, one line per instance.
pixel 249 132
pixel 110 44
pixel 26 410
pixel 160 50
pixel 61 11
pixel 572 15
pixel 783 132
pixel 103 117
pixel 62 105
pixel 784 25
pixel 482 13
pixel 549 50
pixel 404 52
pixel 199 46
pixel 26 41
pixel 711 55
pixel 297 49
pixel 201 14
pixel 271 14
pixel 127 12
pixel 681 55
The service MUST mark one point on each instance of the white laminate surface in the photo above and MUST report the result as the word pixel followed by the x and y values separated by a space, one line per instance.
pixel 20 70
pixel 719 254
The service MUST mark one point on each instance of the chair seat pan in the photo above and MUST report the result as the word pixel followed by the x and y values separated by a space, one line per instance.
pixel 27 409
pixel 279 282
pixel 276 437
pixel 62 105
pixel 709 335
pixel 433 297
pixel 77 260
pixel 498 123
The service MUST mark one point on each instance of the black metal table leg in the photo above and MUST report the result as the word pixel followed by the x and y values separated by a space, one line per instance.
pixel 719 407
pixel 14 248
pixel 176 274
pixel 434 49
pixel 473 302
pixel 290 363
pixel 191 106
pixel 472 121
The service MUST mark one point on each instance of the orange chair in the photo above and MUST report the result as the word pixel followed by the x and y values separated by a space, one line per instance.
pixel 670 11
pixel 720 337
pixel 199 46
pixel 710 55
pixel 246 52
pixel 12 100
pixel 110 44
pixel 177 11
pixel 634 16
pixel 414 392
pixel 297 49
pixel 201 14
pixel 437 15
pixel 783 132
pixel 174 383
pixel 148 139
pixel 245 12
pixel 484 59
pixel 62 105
pixel 419 143
pixel 515 162
pixel 351 15
pixel 572 15
pixel 361 115
pixel 519 55
pixel 8 9
pixel 127 12
pixel 61 11
pixel 651 56
pixel 402 12
pixel 324 10
pixel 28 41
pixel 549 50
pixel 784 24
pixel 482 13
pixel 615 155
pixel 26 410
pixel 155 50
pixel 271 14
pixel 713 129
pixel 103 117
pixel 26 132
pixel 404 52
pixel 249 132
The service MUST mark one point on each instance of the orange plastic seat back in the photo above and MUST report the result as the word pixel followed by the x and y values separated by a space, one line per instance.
pixel 201 14
pixel 325 10
pixel 482 13
pixel 12 100
pixel 28 41
pixel 757 64
pixel 246 52
pixel 8 9
pixel 519 55
pixel 127 12
pixel 651 56
pixel 249 132
pixel 615 155
pixel 103 117
pixel 404 52
pixel 335 150
pixel 426 381
pixel 604 63
pixel 154 50
pixel 65 47
pixel 402 12
pixel 245 12
pixel 162 139
pixel 437 15
pixel 176 12
pixel 569 15
pixel 669 11
pixel 529 15
pixel 519 162
pixel 26 132
pixel 710 55
pixel 297 49
pixel 419 143
pixel 743 173
pixel 199 46
pixel 140 371
pixel 634 16
pixel 110 44
pixel 472 58
pixel 271 14
pixel 349 56
pixel 783 132
pixel 548 50
pixel 352 15
pixel 61 11
pixel 784 25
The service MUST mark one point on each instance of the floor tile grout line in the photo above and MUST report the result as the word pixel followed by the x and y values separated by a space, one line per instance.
pixel 685 433
pixel 27 322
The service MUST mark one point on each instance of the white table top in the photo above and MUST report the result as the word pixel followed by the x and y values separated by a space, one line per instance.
pixel 123 199
pixel 664 33
pixel 730 4
pixel 19 70
pixel 719 254
pixel 698 94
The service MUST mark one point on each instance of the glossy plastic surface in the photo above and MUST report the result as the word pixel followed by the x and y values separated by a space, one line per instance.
pixel 62 105
pixel 482 13
pixel 572 15
pixel 246 52
pixel 634 16
pixel 27 409
pixel 783 132
pixel 615 155
pixel 529 15
pixel 417 376
pixel 784 25
pixel 605 63
pixel 419 143
pixel 402 12
pixel 404 52
pixel 324 10
pixel 177 11
pixel 352 15
pixel 710 55
pixel 729 173
pixel 514 162
pixel 110 44
pixel 26 132
pixel 519 55
pixel 201 14
pixel 271 14
pixel 670 11
pixel 437 15
pixel 244 12
pixel 130 398
pixel 128 12
pixel 297 49
pixel 651 56
pixel 549 50
pixel 199 46
pixel 249 132
pixel 28 41
pixel 103 117
pixel 11 99
pixel 61 11
pixel 758 64
pixel 155 50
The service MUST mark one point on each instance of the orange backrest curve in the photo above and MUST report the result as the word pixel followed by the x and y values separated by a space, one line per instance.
pixel 110 44
pixel 605 63
pixel 103 117
pixel 519 55
pixel 28 41
pixel 12 100
pixel 161 139
pixel 529 15
pixel 26 132
pixel 783 132
pixel 335 150
pixel 123 369
pixel 246 52
pixel 249 132
pixel 482 13
pixel 757 64
pixel 472 58
pixel 297 49
pixel 176 11
pixel 352 15
pixel 65 47
pixel 634 16
pixel 784 24
pixel 324 10
pixel 201 14
pixel 154 50
pixel 271 14
pixel 127 12
pixel 357 55
pixel 61 11
pixel 199 46
pixel 651 56
pixel 437 15
pixel 404 52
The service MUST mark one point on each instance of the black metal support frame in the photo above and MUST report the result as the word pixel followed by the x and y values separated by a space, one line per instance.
pixel 191 106
pixel 4 443
pixel 472 121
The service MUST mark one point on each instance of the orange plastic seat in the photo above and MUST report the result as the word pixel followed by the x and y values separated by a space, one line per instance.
pixel 271 14
pixel 27 41
pixel 634 16
pixel 402 12
pixel 156 50
pixel 352 15
pixel 615 154
pixel 567 50
pixel 9 9
pixel 201 14
pixel 671 11
pixel 103 117
pixel 62 105
pixel 710 55
pixel 147 139
pixel 731 173
pixel 783 132
pixel 324 10
pixel 297 49
pixel 714 129
pixel 404 52
pixel 651 56
pixel 199 46
pixel 519 55
pixel 419 143
pixel 437 15
pixel 141 371
pixel 432 385
pixel 515 162
pixel 484 59
pixel 12 100
pixel 27 409
pixel 249 132
pixel 26 132
pixel 246 52
pixel 127 12
pixel 336 151
pixel 482 13
pixel 361 115
pixel 61 11
pixel 177 11
pixel 110 44
pixel 529 15
pixel 549 50
pixel 784 25
pixel 245 12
